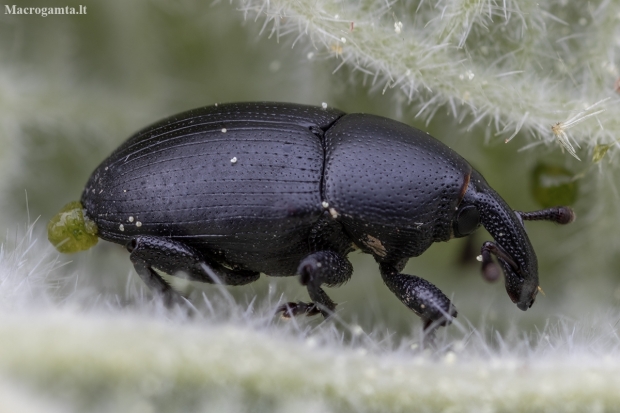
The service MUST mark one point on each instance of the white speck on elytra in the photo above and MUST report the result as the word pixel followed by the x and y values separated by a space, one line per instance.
pixel 121 227
pixel 325 204
pixel 130 219
pixel 333 213
pixel 138 224
pixel 324 105
pixel 223 130
pixel 233 160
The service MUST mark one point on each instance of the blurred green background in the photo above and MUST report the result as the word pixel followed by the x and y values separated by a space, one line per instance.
pixel 72 88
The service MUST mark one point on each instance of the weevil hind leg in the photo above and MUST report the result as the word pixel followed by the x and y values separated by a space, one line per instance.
pixel 148 252
pixel 158 285
pixel 422 297
pixel 321 267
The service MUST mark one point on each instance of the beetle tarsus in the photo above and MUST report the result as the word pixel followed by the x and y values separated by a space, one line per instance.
pixel 291 309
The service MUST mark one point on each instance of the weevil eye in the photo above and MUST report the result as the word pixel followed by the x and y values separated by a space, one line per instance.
pixel 467 220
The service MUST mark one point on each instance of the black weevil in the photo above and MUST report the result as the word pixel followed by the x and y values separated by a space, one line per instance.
pixel 226 192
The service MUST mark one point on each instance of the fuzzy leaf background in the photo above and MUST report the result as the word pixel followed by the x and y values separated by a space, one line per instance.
pixel 82 333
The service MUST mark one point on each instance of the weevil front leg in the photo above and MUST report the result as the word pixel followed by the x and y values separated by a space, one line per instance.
pixel 321 267
pixel 148 252
pixel 422 297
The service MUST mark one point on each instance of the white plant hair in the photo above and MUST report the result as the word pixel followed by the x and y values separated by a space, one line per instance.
pixel 240 357
pixel 518 66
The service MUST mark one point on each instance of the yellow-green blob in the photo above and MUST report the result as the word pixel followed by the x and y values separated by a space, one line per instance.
pixel 70 231
pixel 553 185
pixel 599 152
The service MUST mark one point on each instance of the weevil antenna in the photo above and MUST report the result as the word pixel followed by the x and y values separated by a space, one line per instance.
pixel 561 214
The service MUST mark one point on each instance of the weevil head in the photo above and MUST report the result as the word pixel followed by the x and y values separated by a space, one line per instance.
pixel 70 230
pixel 512 247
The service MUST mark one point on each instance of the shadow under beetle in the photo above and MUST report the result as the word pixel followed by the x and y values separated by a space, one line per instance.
pixel 226 192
